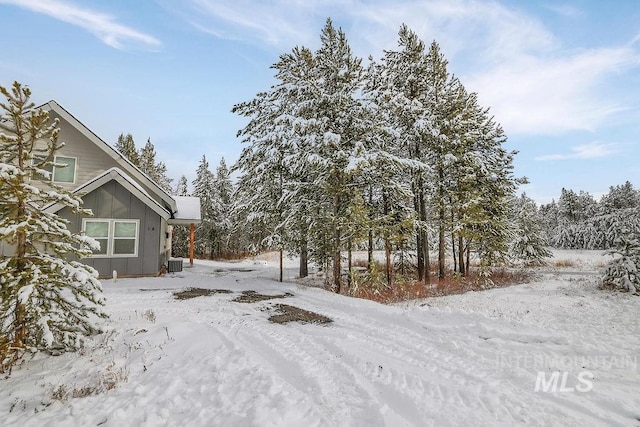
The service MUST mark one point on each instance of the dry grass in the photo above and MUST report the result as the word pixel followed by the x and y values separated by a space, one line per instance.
pixel 109 380
pixel 233 256
pixel 564 263
pixel 404 290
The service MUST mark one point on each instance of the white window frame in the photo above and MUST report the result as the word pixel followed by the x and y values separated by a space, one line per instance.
pixel 53 168
pixel 75 169
pixel 111 236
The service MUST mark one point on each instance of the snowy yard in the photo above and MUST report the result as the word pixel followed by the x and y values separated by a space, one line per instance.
pixel 472 359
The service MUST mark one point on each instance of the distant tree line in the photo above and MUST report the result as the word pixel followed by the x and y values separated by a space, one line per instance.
pixel 578 221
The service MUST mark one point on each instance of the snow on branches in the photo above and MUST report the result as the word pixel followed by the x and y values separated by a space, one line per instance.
pixel 47 298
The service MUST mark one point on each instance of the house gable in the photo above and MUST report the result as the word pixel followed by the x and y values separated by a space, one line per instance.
pixel 115 174
pixel 94 157
pixel 112 199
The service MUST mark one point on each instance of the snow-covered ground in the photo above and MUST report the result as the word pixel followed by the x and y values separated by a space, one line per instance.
pixel 471 359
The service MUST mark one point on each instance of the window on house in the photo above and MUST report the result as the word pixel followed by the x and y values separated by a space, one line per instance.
pixel 117 237
pixel 66 172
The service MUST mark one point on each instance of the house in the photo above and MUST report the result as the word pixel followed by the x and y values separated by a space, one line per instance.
pixel 132 216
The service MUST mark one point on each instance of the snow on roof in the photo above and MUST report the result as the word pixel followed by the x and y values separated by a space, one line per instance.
pixel 188 210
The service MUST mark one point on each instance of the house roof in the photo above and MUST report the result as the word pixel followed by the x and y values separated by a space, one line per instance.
pixel 127 167
pixel 188 211
pixel 123 179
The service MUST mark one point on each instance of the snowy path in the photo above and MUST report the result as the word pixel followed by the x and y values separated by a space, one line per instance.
pixel 462 360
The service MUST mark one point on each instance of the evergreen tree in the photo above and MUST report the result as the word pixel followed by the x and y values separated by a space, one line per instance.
pixel 461 177
pixel 223 189
pixel 529 243
pixel 182 187
pixel 203 187
pixel 306 135
pixel 47 298
pixel 622 272
pixel 621 197
pixel 259 202
pixel 399 89
pixel 156 171
pixel 180 234
pixel 127 147
pixel 335 130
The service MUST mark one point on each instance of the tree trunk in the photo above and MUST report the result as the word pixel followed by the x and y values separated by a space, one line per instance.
pixel 441 223
pixel 304 264
pixel 454 254
pixel 370 242
pixel 387 242
pixel 419 246
pixel 468 254
pixel 389 267
pixel 21 265
pixel 425 234
pixel 349 263
pixel 441 244
pixel 427 259
pixel 281 251
pixel 461 251
pixel 337 266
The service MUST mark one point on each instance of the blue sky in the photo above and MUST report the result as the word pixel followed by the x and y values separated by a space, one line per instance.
pixel 562 77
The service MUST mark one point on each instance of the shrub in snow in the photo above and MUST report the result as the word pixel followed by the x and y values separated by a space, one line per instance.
pixel 622 271
pixel 47 298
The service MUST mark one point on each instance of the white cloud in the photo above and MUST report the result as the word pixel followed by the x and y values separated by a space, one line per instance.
pixel 516 64
pixel 99 24
pixel 281 23
pixel 566 10
pixel 592 150
pixel 552 94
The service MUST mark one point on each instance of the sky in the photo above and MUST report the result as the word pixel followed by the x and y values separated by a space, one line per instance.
pixel 561 77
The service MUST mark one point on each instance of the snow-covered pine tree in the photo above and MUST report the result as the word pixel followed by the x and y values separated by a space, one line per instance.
pixel 180 234
pixel 259 204
pixel 306 134
pixel 156 171
pixel 223 190
pixel 398 87
pixel 203 187
pixel 334 128
pixel 127 147
pixel 48 299
pixel 549 215
pixel 621 197
pixel 529 243
pixel 488 185
pixel 623 271
pixel 182 187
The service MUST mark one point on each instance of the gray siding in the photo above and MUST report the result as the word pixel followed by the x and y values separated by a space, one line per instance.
pixel 91 160
pixel 114 201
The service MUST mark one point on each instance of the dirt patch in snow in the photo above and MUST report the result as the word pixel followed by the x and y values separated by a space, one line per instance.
pixel 199 292
pixel 289 313
pixel 253 296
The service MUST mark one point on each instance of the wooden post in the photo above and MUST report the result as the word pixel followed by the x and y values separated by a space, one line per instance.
pixel 192 233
